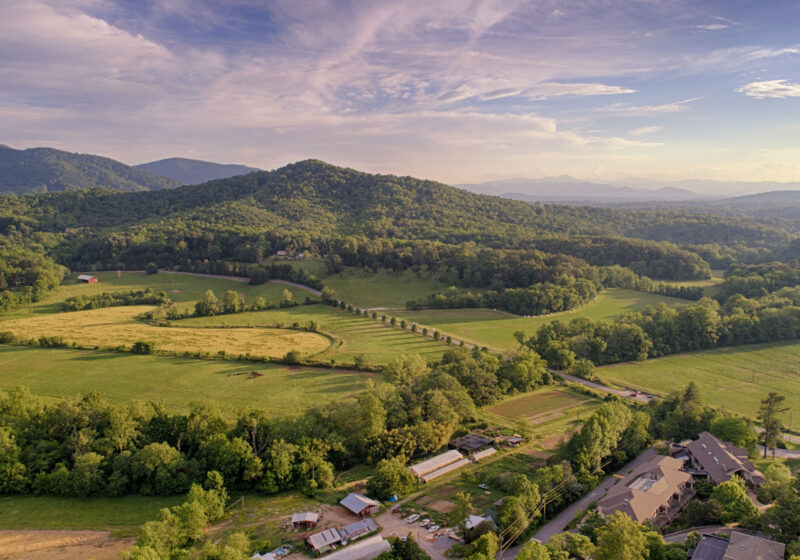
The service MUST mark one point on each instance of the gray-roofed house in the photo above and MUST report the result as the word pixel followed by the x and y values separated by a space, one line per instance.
pixel 360 504
pixel 710 547
pixel 656 491
pixel 366 549
pixel 720 461
pixel 358 529
pixel 305 520
pixel 751 547
pixel 323 541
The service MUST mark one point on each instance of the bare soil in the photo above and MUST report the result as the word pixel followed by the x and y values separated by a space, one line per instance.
pixel 64 545
pixel 442 506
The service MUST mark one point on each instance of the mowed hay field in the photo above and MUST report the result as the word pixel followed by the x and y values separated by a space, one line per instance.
pixel 382 289
pixel 495 329
pixel 378 342
pixel 115 326
pixel 536 404
pixel 56 373
pixel 736 378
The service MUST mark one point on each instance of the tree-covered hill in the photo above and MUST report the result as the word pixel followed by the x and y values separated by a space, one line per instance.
pixel 193 171
pixel 39 170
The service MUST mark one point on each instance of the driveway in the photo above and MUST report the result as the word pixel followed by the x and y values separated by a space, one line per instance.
pixel 559 522
pixel 392 525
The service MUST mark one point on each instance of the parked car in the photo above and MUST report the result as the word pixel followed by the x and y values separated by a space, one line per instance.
pixel 433 528
pixel 483 486
pixel 413 517
pixel 424 522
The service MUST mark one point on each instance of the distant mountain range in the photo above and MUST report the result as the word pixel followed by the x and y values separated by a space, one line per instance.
pixel 193 171
pixel 38 170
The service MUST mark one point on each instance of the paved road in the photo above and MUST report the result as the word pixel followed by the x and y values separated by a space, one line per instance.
pixel 559 522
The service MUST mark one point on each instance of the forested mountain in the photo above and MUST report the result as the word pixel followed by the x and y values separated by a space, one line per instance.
pixel 311 205
pixel 193 171
pixel 39 170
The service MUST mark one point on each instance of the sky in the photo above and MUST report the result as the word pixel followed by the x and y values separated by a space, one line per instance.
pixel 460 91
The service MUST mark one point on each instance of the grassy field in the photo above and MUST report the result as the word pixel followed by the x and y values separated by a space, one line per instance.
pixel 53 512
pixel 384 289
pixel 109 327
pixel 181 288
pixel 709 286
pixel 536 404
pixel 378 342
pixel 55 373
pixel 495 329
pixel 735 378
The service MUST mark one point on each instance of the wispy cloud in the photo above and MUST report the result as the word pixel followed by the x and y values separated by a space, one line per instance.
pixel 665 108
pixel 774 89
pixel 645 130
pixel 712 27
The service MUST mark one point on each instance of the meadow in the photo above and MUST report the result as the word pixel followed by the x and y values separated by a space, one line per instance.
pixel 377 342
pixel 536 404
pixel 736 378
pixel 384 288
pixel 59 373
pixel 113 326
pixel 495 329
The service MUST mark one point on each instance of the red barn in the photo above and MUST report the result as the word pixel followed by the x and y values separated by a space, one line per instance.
pixel 87 279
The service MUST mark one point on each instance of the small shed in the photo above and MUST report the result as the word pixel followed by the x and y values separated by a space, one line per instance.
pixel 87 278
pixel 305 520
pixel 360 505
pixel 514 441
pixel 470 443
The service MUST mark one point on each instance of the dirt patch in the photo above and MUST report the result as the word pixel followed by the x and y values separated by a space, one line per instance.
pixel 446 491
pixel 174 291
pixel 442 506
pixel 64 545
pixel 553 441
pixel 425 500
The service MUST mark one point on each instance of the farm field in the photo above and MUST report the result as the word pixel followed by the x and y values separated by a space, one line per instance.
pixel 709 285
pixel 379 343
pixel 382 289
pixel 113 326
pixel 59 373
pixel 736 378
pixel 181 288
pixel 120 513
pixel 495 329
pixel 536 404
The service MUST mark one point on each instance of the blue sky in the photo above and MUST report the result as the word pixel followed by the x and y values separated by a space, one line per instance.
pixel 459 91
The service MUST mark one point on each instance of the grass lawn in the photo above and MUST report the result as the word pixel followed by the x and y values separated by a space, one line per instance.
pixel 283 390
pixel 113 326
pixel 181 288
pixel 382 289
pixel 736 378
pixel 709 286
pixel 122 514
pixel 379 343
pixel 535 404
pixel 495 329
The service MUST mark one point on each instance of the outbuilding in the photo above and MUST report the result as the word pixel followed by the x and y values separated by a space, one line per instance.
pixel 360 505
pixel 87 279
pixel 305 520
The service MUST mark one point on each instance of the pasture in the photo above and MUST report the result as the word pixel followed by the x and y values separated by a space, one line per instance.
pixel 495 329
pixel 736 378
pixel 533 405
pixel 113 326
pixel 59 373
pixel 181 288
pixel 382 289
pixel 378 342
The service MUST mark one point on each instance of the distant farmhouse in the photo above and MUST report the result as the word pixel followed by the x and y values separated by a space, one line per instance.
pixel 87 279
pixel 656 491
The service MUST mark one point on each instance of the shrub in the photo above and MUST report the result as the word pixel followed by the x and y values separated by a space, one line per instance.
pixel 292 357
pixel 143 347
pixel 151 268
pixel 7 337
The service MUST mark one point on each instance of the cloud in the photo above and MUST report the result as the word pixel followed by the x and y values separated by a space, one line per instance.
pixel 643 131
pixel 666 108
pixel 556 89
pixel 712 27
pixel 774 89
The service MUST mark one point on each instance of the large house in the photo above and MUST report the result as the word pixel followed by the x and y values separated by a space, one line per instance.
pixel 739 547
pixel 656 491
pixel 718 460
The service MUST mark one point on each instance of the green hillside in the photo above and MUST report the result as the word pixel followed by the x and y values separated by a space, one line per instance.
pixel 41 170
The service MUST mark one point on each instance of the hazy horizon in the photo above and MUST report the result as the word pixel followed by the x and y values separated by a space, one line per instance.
pixel 461 92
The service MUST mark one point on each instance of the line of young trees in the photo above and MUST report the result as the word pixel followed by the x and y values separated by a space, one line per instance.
pixel 113 299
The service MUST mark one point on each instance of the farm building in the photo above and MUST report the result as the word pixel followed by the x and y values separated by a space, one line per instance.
pixel 718 460
pixel 439 465
pixel 475 457
pixel 656 491
pixel 305 520
pixel 514 441
pixel 470 443
pixel 357 529
pixel 360 504
pixel 323 541
pixel 87 279
pixel 474 520
pixel 363 550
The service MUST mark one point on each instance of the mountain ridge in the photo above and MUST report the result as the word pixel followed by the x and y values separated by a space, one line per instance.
pixel 194 171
